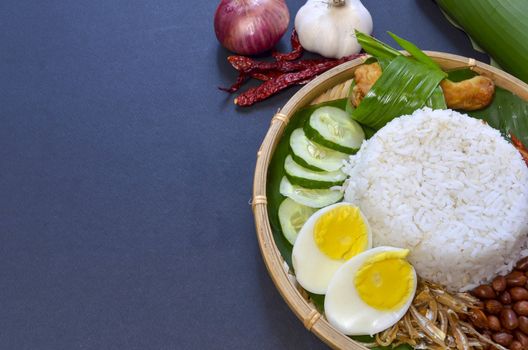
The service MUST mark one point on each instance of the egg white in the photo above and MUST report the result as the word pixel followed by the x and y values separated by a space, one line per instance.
pixel 347 312
pixel 313 268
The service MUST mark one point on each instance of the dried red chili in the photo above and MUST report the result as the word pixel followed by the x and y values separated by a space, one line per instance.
pixel 277 75
pixel 264 71
pixel 265 76
pixel 520 147
pixel 248 65
pixel 296 51
pixel 241 79
pixel 272 86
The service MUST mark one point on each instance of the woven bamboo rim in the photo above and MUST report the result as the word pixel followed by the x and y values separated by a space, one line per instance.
pixel 331 85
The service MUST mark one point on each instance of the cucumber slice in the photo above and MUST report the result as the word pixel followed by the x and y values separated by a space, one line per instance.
pixel 309 197
pixel 313 154
pixel 333 128
pixel 303 163
pixel 307 178
pixel 292 217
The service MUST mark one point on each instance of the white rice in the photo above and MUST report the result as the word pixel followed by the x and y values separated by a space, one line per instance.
pixel 448 187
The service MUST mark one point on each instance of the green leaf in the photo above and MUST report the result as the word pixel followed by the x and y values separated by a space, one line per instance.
pixel 507 113
pixel 418 54
pixel 404 86
pixel 457 75
pixel 500 28
pixel 437 100
pixel 318 301
pixel 375 47
pixel 349 106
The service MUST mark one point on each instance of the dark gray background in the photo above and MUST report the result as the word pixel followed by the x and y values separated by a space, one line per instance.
pixel 125 177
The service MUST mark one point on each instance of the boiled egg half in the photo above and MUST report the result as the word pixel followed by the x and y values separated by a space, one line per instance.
pixel 329 238
pixel 371 292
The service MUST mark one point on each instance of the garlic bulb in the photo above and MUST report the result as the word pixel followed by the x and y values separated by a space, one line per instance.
pixel 327 27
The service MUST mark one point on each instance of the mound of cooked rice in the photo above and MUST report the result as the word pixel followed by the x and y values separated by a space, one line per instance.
pixel 448 187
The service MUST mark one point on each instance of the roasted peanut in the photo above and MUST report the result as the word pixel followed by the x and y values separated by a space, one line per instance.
pixel 522 338
pixel 478 318
pixel 523 324
pixel 493 307
pixel 484 292
pixel 499 283
pixel 521 308
pixel 516 345
pixel 516 279
pixel 505 298
pixel 519 293
pixel 494 323
pixel 522 264
pixel 502 338
pixel 508 319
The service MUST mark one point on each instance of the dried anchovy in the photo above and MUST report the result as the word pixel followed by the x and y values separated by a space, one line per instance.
pixel 468 328
pixel 443 320
pixel 433 332
pixel 447 331
pixel 461 340
pixel 295 53
pixel 450 301
pixel 386 337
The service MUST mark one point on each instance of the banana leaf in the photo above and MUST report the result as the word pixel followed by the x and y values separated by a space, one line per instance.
pixel 404 86
pixel 437 100
pixel 507 113
pixel 457 75
pixel 350 108
pixel 418 54
pixel 376 48
pixel 389 98
pixel 500 28
pixel 276 172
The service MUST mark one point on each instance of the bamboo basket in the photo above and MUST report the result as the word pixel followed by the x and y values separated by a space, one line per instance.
pixel 331 85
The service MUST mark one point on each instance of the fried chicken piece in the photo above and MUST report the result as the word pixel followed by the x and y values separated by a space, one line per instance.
pixel 470 94
pixel 365 76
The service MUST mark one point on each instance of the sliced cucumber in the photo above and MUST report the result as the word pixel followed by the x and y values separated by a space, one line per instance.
pixel 309 197
pixel 299 175
pixel 303 163
pixel 292 217
pixel 313 154
pixel 334 128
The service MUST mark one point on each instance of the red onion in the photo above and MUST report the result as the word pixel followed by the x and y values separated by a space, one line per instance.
pixel 249 27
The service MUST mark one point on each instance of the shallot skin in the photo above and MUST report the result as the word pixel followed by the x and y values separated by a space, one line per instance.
pixel 250 27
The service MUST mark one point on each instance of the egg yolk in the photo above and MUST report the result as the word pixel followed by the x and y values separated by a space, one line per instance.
pixel 341 233
pixel 385 281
